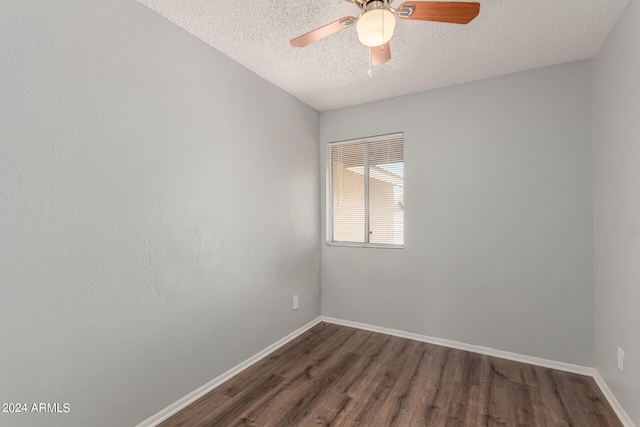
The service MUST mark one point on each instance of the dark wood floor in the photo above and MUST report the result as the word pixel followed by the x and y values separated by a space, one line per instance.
pixel 337 376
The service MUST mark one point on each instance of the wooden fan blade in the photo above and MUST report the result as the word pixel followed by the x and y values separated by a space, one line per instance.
pixel 322 32
pixel 380 54
pixel 443 11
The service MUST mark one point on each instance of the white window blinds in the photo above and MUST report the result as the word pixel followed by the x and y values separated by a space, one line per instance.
pixel 366 191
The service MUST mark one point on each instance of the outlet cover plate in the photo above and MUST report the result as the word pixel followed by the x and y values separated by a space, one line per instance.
pixel 620 359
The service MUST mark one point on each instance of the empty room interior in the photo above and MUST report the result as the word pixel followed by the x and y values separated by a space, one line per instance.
pixel 203 223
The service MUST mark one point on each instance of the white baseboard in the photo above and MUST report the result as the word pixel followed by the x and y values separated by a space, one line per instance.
pixel 536 361
pixel 625 419
pixel 182 403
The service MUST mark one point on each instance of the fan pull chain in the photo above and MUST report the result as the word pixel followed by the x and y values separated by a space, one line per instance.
pixel 370 72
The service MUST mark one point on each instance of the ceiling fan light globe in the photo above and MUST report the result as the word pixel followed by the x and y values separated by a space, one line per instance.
pixel 376 27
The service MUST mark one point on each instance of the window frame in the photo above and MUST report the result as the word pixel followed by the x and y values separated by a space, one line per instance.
pixel 329 193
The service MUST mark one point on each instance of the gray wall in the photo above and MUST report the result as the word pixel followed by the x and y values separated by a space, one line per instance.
pixel 159 206
pixel 617 209
pixel 498 220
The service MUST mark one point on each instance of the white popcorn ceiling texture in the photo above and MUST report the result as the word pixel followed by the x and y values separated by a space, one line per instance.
pixel 506 37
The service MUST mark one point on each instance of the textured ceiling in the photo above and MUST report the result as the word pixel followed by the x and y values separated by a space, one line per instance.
pixel 507 36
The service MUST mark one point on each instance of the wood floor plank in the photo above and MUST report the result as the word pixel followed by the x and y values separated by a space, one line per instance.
pixel 337 400
pixel 411 394
pixel 383 404
pixel 436 411
pixel 305 385
pixel 367 389
pixel 342 377
pixel 396 409
pixel 496 394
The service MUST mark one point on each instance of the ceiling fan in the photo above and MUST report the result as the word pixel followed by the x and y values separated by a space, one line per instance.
pixel 376 22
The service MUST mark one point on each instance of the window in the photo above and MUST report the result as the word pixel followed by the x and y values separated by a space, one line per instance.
pixel 366 192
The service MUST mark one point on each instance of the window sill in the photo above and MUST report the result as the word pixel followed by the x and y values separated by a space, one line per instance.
pixel 364 245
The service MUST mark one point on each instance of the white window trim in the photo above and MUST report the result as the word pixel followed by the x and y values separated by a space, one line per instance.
pixel 329 193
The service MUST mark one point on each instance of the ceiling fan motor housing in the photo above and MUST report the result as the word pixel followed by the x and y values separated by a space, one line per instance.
pixel 375 4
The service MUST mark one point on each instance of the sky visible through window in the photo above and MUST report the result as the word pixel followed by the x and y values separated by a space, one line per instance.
pixel 394 168
pixel 398 170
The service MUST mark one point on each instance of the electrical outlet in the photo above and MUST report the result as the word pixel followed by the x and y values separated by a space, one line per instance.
pixel 295 302
pixel 620 359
